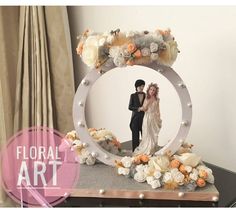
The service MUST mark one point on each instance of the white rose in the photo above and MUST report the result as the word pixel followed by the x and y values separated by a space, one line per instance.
pixel 85 153
pixel 167 177
pixel 140 177
pixel 174 171
pixel 119 61
pixel 210 178
pixel 145 52
pixel 140 168
pixel 188 168
pixel 158 37
pixel 194 175
pixel 82 159
pixel 123 171
pixel 77 144
pixel 153 47
pixel 115 52
pixel 126 161
pixel 157 174
pixel 90 160
pixel 147 169
pixel 149 179
pixel 178 177
pixel 155 184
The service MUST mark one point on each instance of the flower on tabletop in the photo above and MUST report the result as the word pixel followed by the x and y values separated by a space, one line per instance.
pixel 167 177
pixel 210 178
pixel 201 182
pixel 90 160
pixel 141 167
pixel 174 163
pixel 71 135
pixel 178 177
pixel 203 174
pixel 189 159
pixel 123 171
pixel 172 185
pixel 149 179
pixel 82 159
pixel 160 163
pixel 140 176
pixel 127 161
pixel 157 174
pixel 155 184
pixel 194 175
pixel 77 144
pixel 118 164
pixel 188 169
pixel 130 62
pixel 144 158
pixel 182 169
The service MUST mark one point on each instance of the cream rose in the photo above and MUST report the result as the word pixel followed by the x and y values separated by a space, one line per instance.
pixel 90 51
pixel 155 184
pixel 126 161
pixel 123 171
pixel 140 177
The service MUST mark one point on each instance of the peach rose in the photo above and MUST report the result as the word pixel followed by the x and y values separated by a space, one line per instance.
pixel 203 174
pixel 182 169
pixel 174 164
pixel 131 47
pixel 144 158
pixel 138 54
pixel 201 182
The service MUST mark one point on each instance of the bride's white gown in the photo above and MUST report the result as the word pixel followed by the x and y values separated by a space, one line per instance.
pixel 150 130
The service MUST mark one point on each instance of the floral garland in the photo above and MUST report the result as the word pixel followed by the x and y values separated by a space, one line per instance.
pixel 184 170
pixel 122 49
pixel 102 136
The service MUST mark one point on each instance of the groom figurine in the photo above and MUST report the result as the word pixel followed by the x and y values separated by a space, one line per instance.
pixel 135 102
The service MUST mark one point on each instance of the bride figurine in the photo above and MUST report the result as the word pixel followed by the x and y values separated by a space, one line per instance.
pixel 151 122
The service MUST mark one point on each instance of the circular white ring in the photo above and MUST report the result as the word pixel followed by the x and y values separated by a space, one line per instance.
pixel 79 113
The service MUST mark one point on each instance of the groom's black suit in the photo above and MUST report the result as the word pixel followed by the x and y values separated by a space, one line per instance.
pixel 136 118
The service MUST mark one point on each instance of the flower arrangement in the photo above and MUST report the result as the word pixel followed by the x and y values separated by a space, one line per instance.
pixel 130 48
pixel 102 136
pixel 182 170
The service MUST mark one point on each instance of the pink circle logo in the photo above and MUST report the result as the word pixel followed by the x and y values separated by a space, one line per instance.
pixel 39 168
